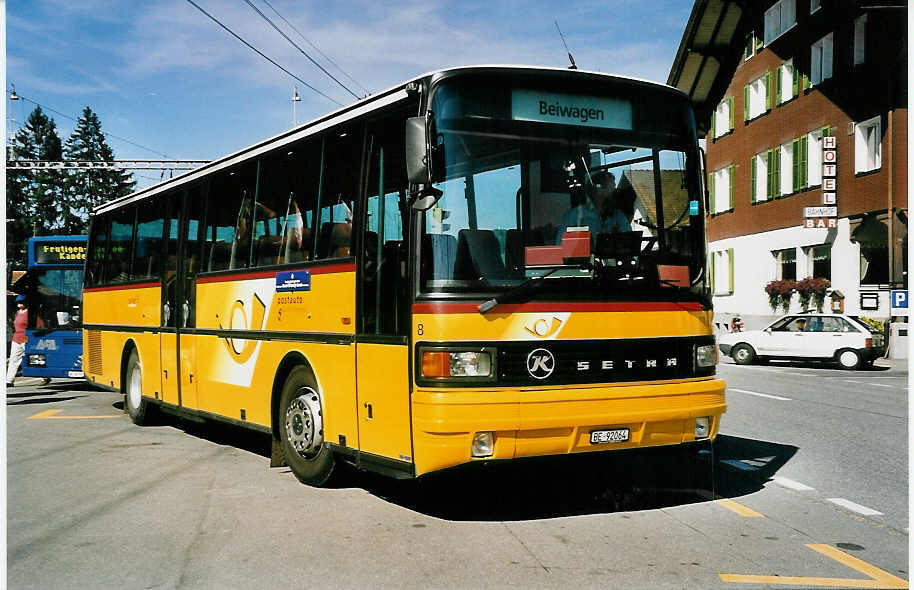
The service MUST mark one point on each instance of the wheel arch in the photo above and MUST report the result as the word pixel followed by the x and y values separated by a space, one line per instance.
pixel 129 346
pixel 290 361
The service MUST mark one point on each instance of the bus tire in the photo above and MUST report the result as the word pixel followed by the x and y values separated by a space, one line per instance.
pixel 743 354
pixel 137 406
pixel 301 429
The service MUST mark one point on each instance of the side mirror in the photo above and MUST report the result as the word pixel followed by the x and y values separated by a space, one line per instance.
pixel 768 330
pixel 417 170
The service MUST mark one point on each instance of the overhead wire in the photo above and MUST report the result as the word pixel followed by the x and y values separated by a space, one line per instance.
pixel 316 48
pixel 65 116
pixel 302 51
pixel 260 53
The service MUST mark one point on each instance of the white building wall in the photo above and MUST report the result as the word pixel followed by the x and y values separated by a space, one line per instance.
pixel 754 266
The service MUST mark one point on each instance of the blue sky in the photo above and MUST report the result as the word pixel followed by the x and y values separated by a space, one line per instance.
pixel 162 75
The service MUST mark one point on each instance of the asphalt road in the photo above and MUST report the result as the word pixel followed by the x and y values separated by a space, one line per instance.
pixel 96 502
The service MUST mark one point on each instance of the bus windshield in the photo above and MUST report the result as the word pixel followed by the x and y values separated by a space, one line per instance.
pixel 578 188
pixel 55 298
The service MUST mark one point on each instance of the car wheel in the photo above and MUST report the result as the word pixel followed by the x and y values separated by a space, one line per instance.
pixel 301 429
pixel 848 359
pixel 743 354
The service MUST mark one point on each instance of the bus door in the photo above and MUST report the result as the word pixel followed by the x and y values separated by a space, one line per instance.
pixel 188 267
pixel 382 351
pixel 168 336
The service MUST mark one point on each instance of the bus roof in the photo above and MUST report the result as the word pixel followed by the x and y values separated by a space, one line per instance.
pixel 364 106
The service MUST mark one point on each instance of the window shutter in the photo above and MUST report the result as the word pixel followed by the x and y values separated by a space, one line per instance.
pixel 730 285
pixel 795 81
pixel 826 131
pixel 730 178
pixel 768 90
pixel 759 43
pixel 713 124
pixel 730 109
pixel 796 164
pixel 752 176
pixel 805 82
pixel 804 162
pixel 711 258
pixel 713 207
pixel 776 182
pixel 745 103
pixel 778 83
pixel 769 160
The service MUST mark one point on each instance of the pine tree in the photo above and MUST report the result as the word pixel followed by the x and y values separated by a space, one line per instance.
pixel 33 205
pixel 87 189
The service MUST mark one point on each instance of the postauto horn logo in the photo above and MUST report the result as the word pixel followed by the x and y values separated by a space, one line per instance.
pixel 241 349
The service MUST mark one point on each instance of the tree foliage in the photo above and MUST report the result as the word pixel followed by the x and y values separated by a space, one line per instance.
pixel 33 197
pixel 86 189
pixel 45 202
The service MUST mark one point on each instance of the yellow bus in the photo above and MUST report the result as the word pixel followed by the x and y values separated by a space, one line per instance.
pixel 482 263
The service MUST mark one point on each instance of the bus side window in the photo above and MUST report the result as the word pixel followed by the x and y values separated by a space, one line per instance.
pixel 120 250
pixel 98 244
pixel 149 229
pixel 284 209
pixel 342 157
pixel 228 223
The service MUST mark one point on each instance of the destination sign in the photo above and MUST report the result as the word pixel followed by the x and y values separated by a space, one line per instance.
pixel 59 253
pixel 570 109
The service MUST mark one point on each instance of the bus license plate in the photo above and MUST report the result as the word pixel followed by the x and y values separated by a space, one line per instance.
pixel 75 374
pixel 609 436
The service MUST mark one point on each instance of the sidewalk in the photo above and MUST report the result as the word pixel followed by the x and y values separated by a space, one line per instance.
pixel 894 364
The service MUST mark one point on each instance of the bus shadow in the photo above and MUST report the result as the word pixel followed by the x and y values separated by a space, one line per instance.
pixel 552 487
pixel 39 400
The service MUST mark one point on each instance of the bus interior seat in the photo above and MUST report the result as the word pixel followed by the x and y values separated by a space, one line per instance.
pixel 219 255
pixel 267 250
pixel 295 254
pixel 334 240
pixel 439 251
pixel 478 256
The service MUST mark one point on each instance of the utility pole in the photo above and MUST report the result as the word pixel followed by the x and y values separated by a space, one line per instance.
pixel 295 98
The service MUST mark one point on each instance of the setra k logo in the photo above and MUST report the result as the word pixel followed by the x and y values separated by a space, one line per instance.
pixel 241 349
pixel 542 327
pixel 540 363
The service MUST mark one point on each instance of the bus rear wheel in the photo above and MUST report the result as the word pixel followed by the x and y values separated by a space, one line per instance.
pixel 137 407
pixel 301 429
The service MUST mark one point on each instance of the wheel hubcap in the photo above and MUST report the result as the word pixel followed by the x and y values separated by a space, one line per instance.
pixel 742 354
pixel 135 387
pixel 304 423
pixel 848 359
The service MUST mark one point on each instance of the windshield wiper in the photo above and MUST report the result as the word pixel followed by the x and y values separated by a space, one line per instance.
pixel 528 285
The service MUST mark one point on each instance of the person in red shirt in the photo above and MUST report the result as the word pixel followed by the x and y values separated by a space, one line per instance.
pixel 17 350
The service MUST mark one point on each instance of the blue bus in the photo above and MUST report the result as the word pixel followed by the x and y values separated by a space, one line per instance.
pixel 53 286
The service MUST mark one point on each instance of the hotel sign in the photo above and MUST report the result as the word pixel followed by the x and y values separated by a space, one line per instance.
pixel 825 217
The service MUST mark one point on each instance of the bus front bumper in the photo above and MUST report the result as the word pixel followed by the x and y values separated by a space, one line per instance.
pixel 529 422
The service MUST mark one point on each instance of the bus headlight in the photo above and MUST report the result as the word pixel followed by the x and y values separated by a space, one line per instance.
pixel 702 427
pixel 458 364
pixel 37 360
pixel 706 355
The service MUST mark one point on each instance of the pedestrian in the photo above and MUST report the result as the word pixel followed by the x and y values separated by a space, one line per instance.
pixel 736 324
pixel 17 348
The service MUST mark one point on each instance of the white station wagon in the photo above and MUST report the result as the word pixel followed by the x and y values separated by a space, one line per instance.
pixel 810 337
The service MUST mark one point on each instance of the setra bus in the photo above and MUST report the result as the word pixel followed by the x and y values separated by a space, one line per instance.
pixel 53 288
pixel 481 263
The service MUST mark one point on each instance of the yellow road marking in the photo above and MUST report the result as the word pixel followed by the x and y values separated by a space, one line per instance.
pixel 739 509
pixel 52 415
pixel 879 578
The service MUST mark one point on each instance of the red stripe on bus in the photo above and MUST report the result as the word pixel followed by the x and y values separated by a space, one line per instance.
pixel 450 308
pixel 122 287
pixel 269 274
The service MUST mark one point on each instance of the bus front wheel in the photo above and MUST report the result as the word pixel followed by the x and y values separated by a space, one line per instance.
pixel 137 407
pixel 301 429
